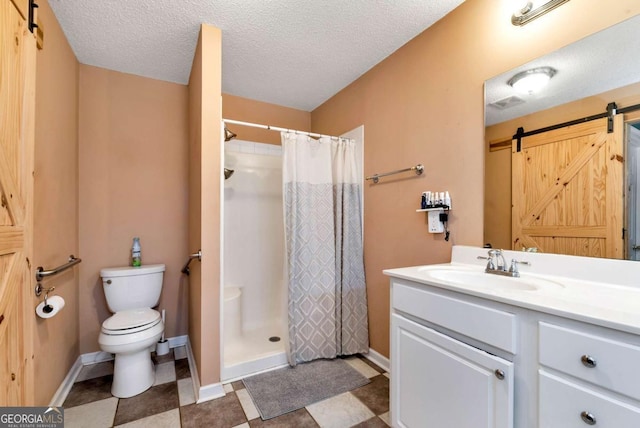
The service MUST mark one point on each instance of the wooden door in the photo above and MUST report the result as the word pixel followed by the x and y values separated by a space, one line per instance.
pixel 17 105
pixel 567 190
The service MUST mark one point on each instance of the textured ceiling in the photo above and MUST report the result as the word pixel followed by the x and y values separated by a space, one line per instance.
pixel 601 62
pixel 295 53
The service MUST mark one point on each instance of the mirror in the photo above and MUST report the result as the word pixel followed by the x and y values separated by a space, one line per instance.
pixel 591 73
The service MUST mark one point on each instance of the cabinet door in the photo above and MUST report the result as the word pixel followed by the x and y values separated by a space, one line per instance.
pixel 439 382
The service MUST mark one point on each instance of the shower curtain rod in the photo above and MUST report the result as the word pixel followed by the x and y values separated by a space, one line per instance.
pixel 276 128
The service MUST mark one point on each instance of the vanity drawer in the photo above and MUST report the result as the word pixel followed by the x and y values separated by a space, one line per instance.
pixel 562 404
pixel 613 364
pixel 488 325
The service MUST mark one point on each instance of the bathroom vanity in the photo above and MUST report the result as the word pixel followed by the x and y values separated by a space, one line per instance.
pixel 558 346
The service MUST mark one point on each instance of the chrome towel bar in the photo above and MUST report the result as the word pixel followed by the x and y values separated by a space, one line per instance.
pixel 41 273
pixel 419 169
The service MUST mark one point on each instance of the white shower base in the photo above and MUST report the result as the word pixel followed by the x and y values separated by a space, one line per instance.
pixel 253 352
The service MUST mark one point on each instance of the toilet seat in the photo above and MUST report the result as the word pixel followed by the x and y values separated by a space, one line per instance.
pixel 131 321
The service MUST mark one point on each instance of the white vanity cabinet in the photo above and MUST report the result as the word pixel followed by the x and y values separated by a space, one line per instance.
pixel 469 350
pixel 438 381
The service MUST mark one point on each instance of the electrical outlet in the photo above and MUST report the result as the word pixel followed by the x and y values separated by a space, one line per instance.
pixel 435 225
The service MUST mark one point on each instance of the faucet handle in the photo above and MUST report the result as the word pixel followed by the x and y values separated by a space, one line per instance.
pixel 490 264
pixel 515 263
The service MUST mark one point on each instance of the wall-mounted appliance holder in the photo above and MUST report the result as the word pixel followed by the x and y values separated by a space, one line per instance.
pixel 437 218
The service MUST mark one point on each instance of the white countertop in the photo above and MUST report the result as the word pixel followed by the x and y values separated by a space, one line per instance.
pixel 599 291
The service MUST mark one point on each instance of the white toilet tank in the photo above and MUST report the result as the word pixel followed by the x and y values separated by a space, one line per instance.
pixel 132 287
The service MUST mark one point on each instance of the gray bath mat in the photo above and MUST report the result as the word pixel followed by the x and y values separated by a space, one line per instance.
pixel 284 390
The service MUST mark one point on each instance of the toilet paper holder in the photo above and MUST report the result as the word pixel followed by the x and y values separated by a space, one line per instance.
pixel 47 308
pixel 39 289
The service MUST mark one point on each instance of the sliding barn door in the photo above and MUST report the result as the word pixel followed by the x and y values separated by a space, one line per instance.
pixel 17 103
pixel 567 190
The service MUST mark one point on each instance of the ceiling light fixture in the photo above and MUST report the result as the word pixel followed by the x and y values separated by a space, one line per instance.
pixel 530 81
pixel 533 9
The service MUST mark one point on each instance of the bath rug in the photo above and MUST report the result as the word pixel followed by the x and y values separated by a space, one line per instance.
pixel 291 388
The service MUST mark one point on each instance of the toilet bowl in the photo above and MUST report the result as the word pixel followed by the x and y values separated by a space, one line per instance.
pixel 232 313
pixel 134 329
pixel 129 335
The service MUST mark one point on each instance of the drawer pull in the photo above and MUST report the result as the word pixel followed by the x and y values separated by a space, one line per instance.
pixel 499 374
pixel 588 418
pixel 588 361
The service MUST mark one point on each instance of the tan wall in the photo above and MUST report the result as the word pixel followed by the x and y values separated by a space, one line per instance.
pixel 56 345
pixel 424 104
pixel 497 223
pixel 133 135
pixel 195 190
pixel 205 114
pixel 247 110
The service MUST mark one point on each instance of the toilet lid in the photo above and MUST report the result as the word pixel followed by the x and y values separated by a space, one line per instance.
pixel 130 320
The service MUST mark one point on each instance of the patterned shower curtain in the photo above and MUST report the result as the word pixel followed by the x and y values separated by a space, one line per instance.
pixel 327 302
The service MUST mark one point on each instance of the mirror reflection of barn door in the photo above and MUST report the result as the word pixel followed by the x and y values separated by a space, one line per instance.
pixel 567 190
pixel 17 104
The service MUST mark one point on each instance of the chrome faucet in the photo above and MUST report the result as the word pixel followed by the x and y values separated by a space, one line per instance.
pixel 496 264
pixel 501 263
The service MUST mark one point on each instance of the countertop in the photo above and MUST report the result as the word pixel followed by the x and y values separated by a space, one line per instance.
pixel 598 291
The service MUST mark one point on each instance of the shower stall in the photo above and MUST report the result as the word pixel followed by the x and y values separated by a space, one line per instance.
pixel 253 293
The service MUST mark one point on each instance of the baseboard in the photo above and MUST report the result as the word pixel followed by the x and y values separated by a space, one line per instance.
pixel 210 392
pixel 193 369
pixel 174 342
pixel 95 358
pixel 202 393
pixel 67 383
pixel 379 359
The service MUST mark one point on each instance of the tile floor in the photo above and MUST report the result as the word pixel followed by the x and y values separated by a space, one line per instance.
pixel 170 402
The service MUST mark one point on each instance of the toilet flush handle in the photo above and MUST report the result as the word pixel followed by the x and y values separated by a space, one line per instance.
pixel 108 281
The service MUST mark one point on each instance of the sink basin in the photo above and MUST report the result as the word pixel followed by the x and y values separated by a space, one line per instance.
pixel 480 279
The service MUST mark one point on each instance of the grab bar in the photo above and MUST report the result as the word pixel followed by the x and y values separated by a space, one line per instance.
pixel 41 273
pixel 419 169
pixel 185 270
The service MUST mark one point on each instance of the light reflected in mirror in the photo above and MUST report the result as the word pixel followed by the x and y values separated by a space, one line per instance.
pixel 591 73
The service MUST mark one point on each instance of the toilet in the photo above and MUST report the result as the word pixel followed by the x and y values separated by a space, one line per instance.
pixel 134 328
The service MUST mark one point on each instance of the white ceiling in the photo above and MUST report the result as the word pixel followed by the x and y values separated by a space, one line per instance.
pixel 601 62
pixel 295 53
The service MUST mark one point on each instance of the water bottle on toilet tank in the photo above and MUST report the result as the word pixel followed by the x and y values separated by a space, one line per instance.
pixel 136 254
